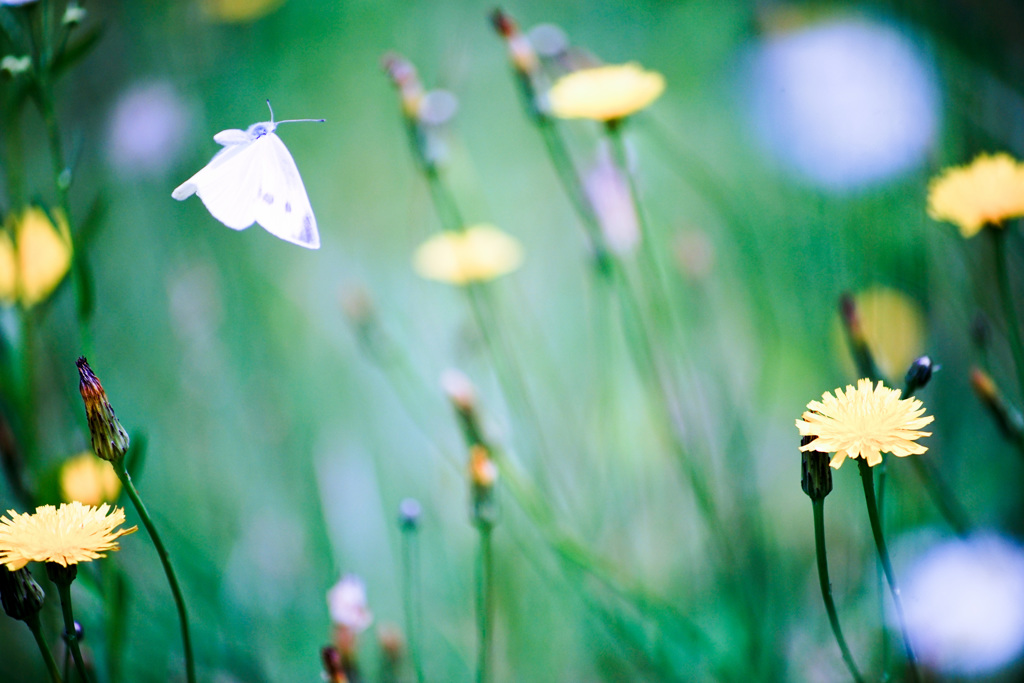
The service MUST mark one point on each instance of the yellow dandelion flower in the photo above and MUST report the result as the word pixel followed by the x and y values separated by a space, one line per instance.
pixel 864 423
pixel 480 253
pixel 88 479
pixel 66 535
pixel 605 93
pixel 987 191
pixel 34 263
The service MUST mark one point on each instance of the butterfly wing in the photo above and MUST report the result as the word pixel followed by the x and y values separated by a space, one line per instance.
pixel 229 185
pixel 282 206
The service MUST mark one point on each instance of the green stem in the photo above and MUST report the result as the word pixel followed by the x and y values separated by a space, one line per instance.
pixel 484 604
pixel 32 621
pixel 172 579
pixel 999 236
pixel 62 183
pixel 826 587
pixel 410 598
pixel 64 591
pixel 867 478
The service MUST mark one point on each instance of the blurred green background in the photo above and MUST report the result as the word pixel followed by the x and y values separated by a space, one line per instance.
pixel 277 452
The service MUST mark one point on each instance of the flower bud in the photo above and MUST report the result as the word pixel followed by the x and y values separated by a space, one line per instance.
pixel 409 512
pixel 109 439
pixel 816 475
pixel 919 374
pixel 483 474
pixel 22 597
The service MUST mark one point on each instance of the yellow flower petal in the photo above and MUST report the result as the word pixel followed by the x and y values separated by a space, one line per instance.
pixel 989 190
pixel 67 535
pixel 864 422
pixel 480 253
pixel 605 93
pixel 88 479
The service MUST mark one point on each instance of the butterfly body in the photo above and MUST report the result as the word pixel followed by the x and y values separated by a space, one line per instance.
pixel 253 179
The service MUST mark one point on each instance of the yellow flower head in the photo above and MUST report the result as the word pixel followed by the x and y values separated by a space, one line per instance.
pixel 989 190
pixel 863 423
pixel 88 479
pixel 605 93
pixel 66 535
pixel 34 263
pixel 480 253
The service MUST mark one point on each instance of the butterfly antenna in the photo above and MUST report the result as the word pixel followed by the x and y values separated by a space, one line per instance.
pixel 271 110
pixel 302 121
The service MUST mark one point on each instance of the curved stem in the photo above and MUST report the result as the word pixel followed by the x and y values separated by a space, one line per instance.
pixel 165 560
pixel 484 604
pixel 1000 236
pixel 867 478
pixel 32 621
pixel 826 587
pixel 64 591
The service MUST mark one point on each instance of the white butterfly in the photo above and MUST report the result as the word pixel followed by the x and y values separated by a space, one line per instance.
pixel 254 180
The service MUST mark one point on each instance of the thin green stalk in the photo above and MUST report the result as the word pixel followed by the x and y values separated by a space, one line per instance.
pixel 644 352
pixel 826 587
pixel 32 621
pixel 62 183
pixel 651 269
pixel 165 560
pixel 484 604
pixel 410 598
pixel 502 356
pixel 868 479
pixel 999 237
pixel 64 591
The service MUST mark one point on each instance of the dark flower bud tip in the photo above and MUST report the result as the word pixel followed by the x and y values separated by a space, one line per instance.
pixel 109 439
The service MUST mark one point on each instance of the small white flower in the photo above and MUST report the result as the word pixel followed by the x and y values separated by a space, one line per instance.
pixel 15 65
pixel 73 15
pixel 346 602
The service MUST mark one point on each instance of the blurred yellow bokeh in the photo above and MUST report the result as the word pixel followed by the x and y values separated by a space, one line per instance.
pixel 605 93
pixel 480 253
pixel 238 11
pixel 88 480
pixel 36 260
pixel 894 326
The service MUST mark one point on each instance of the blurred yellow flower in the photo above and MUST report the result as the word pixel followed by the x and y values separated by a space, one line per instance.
pixel 34 263
pixel 66 535
pixel 88 479
pixel 893 325
pixel 987 191
pixel 481 252
pixel 864 423
pixel 605 93
pixel 238 11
